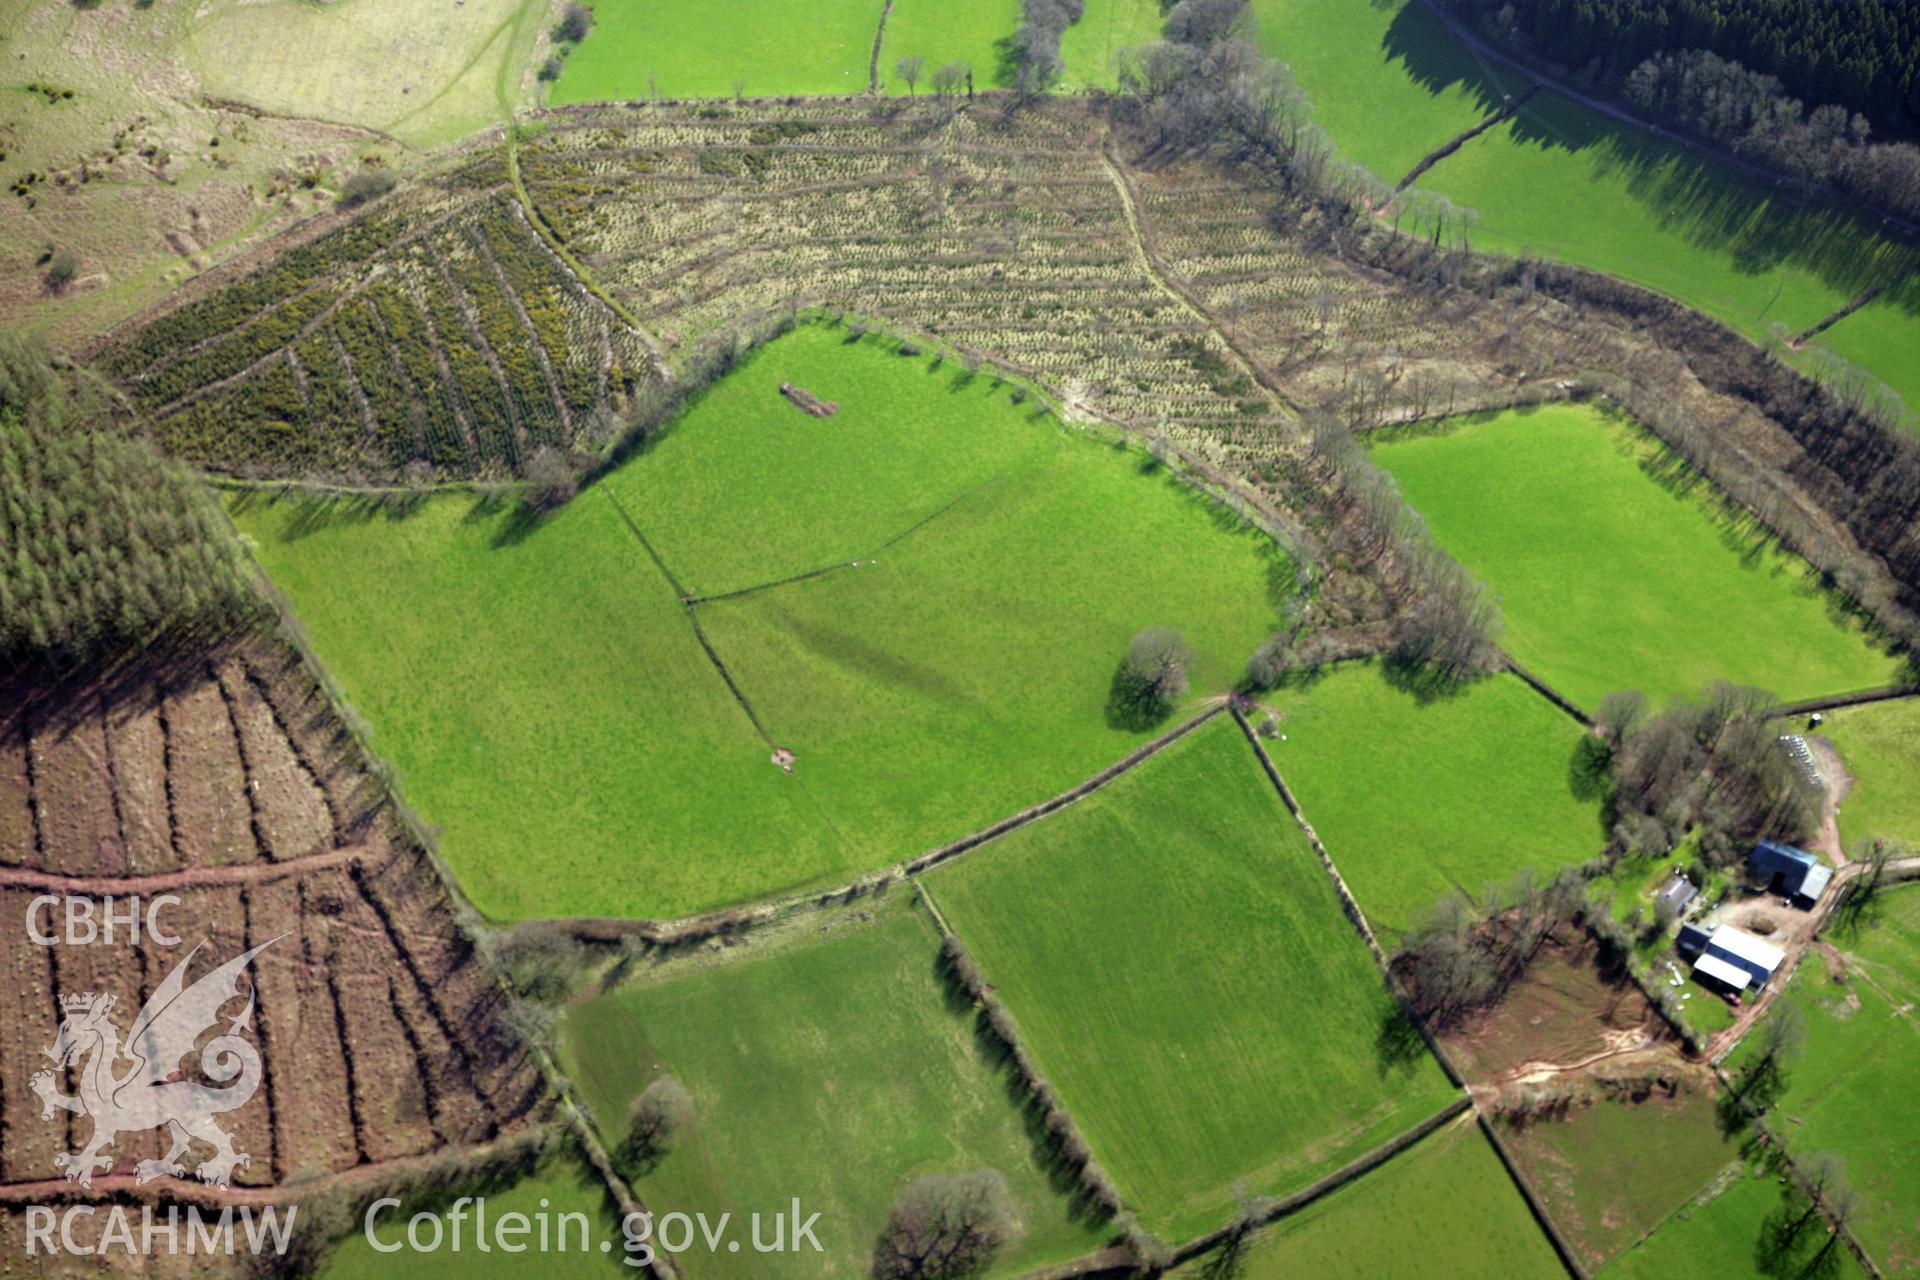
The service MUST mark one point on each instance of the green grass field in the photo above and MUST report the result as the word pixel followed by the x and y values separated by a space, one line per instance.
pixel 1852 1087
pixel 704 48
pixel 1444 1207
pixel 1659 215
pixel 908 441
pixel 903 685
pixel 841 1071
pixel 1353 62
pixel 1609 579
pixel 940 33
pixel 1880 745
pixel 1592 1172
pixel 563 1186
pixel 1176 961
pixel 1390 84
pixel 1415 799
pixel 586 779
pixel 961 675
pixel 1880 337
pixel 1089 46
pixel 1719 1233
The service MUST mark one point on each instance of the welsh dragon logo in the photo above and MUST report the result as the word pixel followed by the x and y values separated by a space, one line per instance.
pixel 151 1092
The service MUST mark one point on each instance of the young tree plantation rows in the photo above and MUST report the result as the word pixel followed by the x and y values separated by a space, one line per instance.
pixel 440 332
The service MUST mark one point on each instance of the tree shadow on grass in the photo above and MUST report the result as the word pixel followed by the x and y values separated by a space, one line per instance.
pixel 1425 684
pixel 1397 1043
pixel 1133 705
pixel 1760 225
pixel 1062 1175
pixel 1589 769
pixel 316 511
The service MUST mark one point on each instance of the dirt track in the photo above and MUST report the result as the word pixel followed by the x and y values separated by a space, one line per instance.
pixel 1725 1041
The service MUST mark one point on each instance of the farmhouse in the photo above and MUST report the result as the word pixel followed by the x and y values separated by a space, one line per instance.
pixel 1793 873
pixel 1675 894
pixel 1738 961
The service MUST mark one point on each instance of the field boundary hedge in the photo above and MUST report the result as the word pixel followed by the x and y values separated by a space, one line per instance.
pixel 1547 691
pixel 742 917
pixel 1065 1141
pixel 1891 693
pixel 1293 1203
pixel 1465 136
pixel 1560 1245
pixel 1348 902
pixel 1568 1258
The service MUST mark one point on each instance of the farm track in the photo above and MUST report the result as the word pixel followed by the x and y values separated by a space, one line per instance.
pixel 201 877
pixel 1724 1042
pixel 1172 285
pixel 581 276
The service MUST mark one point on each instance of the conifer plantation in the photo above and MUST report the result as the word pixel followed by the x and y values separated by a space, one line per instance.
pixel 106 548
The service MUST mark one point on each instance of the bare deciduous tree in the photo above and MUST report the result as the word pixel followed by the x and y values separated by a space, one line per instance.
pixel 945 1226
pixel 908 69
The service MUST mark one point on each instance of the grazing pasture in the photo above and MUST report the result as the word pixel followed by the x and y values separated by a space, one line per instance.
pixel 1175 959
pixel 904 684
pixel 745 489
pixel 563 1189
pixel 1720 1233
pixel 1851 1088
pixel 1618 569
pixel 1562 181
pixel 1880 337
pixel 1443 1207
pixel 1880 745
pixel 1357 65
pixel 708 48
pixel 1660 215
pixel 940 33
pixel 1591 1168
pixel 1089 47
pixel 547 705
pixel 960 672
pixel 842 1070
pixel 1419 797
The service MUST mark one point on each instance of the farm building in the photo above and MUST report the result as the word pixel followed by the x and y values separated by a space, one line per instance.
pixel 1693 938
pixel 1675 894
pixel 1790 872
pixel 1738 961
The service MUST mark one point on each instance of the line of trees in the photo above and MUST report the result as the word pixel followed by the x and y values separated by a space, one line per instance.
pixel 1449 623
pixel 1711 765
pixel 1864 54
pixel 1751 114
pixel 1872 485
pixel 1042 1103
pixel 106 548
